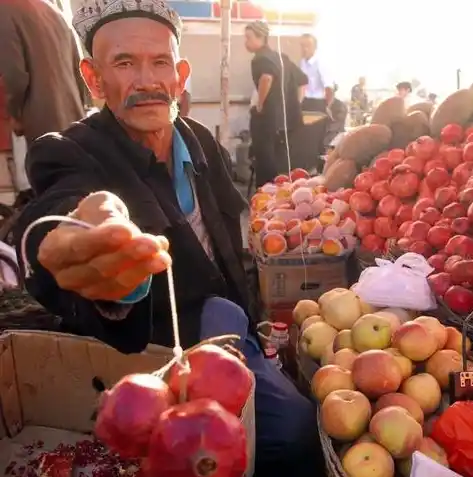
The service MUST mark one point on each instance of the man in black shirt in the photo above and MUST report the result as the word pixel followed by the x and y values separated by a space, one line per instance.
pixel 275 110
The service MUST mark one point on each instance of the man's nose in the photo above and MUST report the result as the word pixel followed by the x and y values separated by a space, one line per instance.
pixel 146 79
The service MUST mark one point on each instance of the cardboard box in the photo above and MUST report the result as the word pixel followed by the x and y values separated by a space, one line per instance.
pixel 46 391
pixel 285 281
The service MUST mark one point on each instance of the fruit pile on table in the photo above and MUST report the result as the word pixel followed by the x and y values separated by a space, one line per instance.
pixel 382 380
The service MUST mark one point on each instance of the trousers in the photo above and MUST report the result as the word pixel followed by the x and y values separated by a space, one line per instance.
pixel 287 441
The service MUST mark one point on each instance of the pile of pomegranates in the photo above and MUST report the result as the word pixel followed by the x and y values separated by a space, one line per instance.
pixel 421 199
pixel 144 416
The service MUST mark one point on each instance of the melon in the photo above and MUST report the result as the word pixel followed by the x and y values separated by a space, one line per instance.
pixel 408 129
pixel 341 174
pixel 455 109
pixel 389 111
pixel 425 107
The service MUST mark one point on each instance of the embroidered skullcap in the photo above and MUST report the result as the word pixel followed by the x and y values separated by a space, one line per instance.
pixel 259 27
pixel 95 13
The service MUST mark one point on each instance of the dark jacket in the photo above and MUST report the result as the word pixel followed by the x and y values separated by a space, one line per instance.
pixel 96 154
pixel 39 66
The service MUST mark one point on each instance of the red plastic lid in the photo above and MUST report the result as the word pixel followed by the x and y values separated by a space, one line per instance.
pixel 280 326
pixel 270 352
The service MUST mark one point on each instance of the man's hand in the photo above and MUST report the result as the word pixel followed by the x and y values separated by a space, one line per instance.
pixel 107 262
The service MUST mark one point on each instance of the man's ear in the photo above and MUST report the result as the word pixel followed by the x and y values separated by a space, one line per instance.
pixel 91 78
pixel 183 70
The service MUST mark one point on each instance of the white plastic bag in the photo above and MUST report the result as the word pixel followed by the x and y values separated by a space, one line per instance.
pixel 402 284
pixel 423 466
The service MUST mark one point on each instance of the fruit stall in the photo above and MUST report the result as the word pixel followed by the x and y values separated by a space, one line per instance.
pixel 388 360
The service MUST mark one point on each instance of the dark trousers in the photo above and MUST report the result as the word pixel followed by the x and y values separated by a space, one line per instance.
pixel 314 105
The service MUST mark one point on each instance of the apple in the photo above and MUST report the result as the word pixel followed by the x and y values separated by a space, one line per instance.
pixel 455 340
pixel 401 400
pixel 371 332
pixel 345 358
pixel 397 431
pixel 330 378
pixel 368 459
pixel 405 364
pixel 435 327
pixel 310 321
pixel 442 363
pixel 429 448
pixel 375 373
pixel 304 309
pixel 415 341
pixel 340 308
pixel 345 414
pixel 327 355
pixel 393 319
pixel 424 389
pixel 342 340
pixel 316 338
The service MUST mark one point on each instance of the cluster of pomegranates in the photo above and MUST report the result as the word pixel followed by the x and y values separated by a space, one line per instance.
pixel 187 425
pixel 420 199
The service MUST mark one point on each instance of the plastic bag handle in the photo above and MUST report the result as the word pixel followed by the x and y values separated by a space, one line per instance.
pixel 413 262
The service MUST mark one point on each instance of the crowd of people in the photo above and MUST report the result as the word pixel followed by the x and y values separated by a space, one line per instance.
pixel 156 187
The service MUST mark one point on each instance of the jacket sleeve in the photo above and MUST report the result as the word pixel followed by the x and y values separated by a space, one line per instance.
pixel 13 67
pixel 61 174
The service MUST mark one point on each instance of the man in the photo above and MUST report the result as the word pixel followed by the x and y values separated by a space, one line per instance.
pixel 172 180
pixel 404 89
pixel 359 102
pixel 275 110
pixel 185 104
pixel 432 98
pixel 39 68
pixel 319 91
pixel 339 112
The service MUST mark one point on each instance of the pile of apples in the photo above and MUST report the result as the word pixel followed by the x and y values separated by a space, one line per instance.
pixel 381 380
pixel 421 200
pixel 145 417
pixel 297 214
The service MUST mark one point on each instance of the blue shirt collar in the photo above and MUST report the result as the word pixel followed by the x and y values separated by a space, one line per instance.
pixel 180 153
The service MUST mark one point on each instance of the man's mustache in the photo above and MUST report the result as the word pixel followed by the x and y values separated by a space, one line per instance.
pixel 137 98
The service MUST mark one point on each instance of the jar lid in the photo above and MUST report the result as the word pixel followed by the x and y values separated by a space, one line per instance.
pixel 280 326
pixel 271 352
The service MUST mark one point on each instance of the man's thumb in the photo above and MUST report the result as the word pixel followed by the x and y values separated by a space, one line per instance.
pixel 100 206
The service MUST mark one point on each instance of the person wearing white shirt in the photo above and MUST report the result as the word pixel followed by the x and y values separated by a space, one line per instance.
pixel 319 92
pixel 185 103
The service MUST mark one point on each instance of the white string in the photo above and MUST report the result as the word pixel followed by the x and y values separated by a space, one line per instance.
pixel 178 352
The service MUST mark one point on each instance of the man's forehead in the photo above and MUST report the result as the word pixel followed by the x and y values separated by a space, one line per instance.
pixel 131 33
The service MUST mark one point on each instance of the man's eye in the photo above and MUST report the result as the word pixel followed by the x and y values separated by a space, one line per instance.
pixel 124 64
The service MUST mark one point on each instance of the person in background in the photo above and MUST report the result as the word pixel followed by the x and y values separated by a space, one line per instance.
pixel 39 60
pixel 185 103
pixel 318 93
pixel 156 186
pixel 274 112
pixel 432 97
pixel 404 89
pixel 339 112
pixel 359 102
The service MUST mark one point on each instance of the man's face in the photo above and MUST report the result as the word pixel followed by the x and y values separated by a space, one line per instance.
pixel 136 69
pixel 307 47
pixel 252 42
pixel 403 92
pixel 362 82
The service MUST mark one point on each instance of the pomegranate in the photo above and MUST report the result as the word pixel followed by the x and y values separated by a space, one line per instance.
pixel 450 262
pixel 437 177
pixel 396 156
pixel 454 210
pixel 460 226
pixel 403 228
pixel 212 367
pixel 439 283
pixel 404 243
pixel 197 439
pixel 453 157
pixel 433 164
pixel 364 226
pixel 129 411
pixel 382 168
pixel 459 299
pixel 299 173
pixel 469 137
pixel 418 230
pixel 425 191
pixel 444 196
pixel 430 215
pixel 460 245
pixel 462 173
pixel 388 206
pixel 364 181
pixel 404 183
pixel 469 213
pixel 361 202
pixel 415 163
pixel 468 131
pixel 404 213
pixel 380 189
pixel 373 243
pixel 438 237
pixel 466 196
pixel 385 227
pixel 281 179
pixel 425 147
pixel 420 206
pixel 345 195
pixel 443 222
pixel 421 247
pixel 437 262
pixel 468 152
pixel 451 134
pixel 462 272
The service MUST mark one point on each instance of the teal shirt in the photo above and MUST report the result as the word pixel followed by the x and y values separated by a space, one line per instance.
pixel 182 163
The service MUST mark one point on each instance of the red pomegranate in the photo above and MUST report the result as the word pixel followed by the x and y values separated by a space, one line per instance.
pixel 215 374
pixel 404 182
pixel 459 299
pixel 451 134
pixel 129 412
pixel 425 147
pixel 197 439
